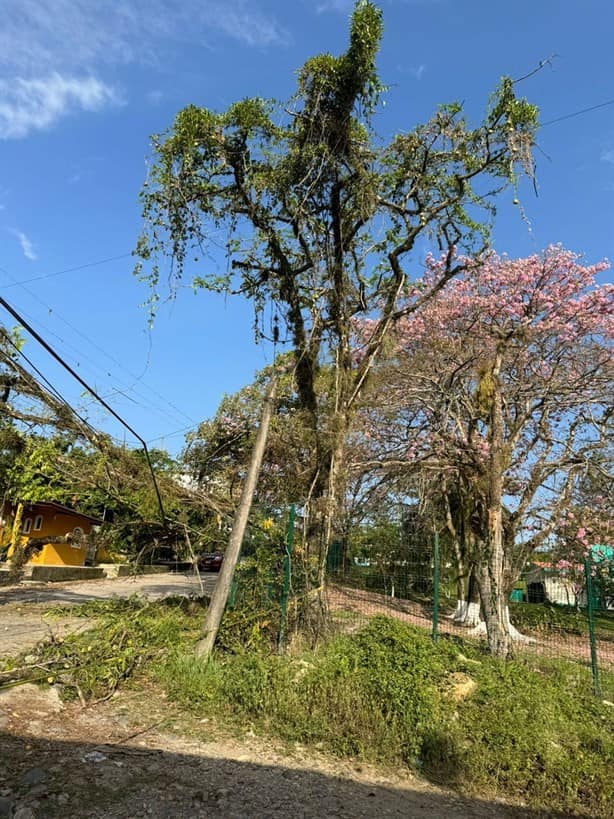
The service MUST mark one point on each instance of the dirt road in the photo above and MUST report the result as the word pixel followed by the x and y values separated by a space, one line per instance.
pixel 118 759
pixel 22 607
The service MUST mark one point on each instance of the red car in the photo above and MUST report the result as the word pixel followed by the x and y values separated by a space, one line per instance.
pixel 210 562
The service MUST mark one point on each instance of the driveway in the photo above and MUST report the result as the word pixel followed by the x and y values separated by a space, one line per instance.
pixel 23 606
pixel 151 586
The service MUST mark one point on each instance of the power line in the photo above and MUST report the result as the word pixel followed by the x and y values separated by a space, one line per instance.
pixel 53 390
pixel 67 270
pixel 93 392
pixel 127 387
pixel 578 113
pixel 173 434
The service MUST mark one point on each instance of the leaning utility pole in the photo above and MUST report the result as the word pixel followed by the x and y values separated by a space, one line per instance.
pixel 204 647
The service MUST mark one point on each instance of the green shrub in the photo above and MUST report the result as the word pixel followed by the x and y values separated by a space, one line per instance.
pixel 376 694
pixel 532 731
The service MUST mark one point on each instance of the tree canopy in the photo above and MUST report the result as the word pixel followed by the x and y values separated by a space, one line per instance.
pixel 499 393
pixel 320 217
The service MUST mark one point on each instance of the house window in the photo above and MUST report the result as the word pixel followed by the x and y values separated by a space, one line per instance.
pixel 27 525
pixel 38 523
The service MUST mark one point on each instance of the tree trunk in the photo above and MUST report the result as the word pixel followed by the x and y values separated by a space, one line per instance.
pixel 492 575
pixel 17 551
pixel 494 606
pixel 204 647
pixel 470 614
pixel 332 501
pixel 462 579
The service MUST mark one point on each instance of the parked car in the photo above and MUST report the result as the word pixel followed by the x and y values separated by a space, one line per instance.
pixel 210 562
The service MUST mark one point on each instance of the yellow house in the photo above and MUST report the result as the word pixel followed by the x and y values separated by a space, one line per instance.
pixel 49 519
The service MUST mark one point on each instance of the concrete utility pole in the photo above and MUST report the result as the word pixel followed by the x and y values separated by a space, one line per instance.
pixel 204 647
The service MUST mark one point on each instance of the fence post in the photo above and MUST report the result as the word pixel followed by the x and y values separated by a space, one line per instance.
pixel 591 625
pixel 435 585
pixel 287 569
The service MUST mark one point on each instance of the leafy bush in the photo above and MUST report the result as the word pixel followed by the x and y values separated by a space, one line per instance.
pixel 376 694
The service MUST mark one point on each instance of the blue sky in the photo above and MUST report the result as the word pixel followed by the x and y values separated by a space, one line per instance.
pixel 83 83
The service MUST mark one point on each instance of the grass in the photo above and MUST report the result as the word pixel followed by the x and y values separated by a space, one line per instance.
pixel 529 729
pixel 549 618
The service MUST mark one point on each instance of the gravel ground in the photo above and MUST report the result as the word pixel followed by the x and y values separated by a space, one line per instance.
pixel 104 762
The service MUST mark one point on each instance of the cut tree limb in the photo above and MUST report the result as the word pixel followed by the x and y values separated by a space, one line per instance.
pixel 23 552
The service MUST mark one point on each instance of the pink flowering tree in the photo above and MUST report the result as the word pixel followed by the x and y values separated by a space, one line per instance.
pixel 497 394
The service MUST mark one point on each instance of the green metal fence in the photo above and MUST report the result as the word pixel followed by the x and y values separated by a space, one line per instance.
pixel 559 612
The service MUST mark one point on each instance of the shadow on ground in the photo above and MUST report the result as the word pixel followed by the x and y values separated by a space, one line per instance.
pixel 50 778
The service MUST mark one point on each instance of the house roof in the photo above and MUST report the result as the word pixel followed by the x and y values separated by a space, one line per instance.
pixel 58 507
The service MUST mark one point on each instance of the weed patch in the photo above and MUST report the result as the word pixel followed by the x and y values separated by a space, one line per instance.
pixel 532 732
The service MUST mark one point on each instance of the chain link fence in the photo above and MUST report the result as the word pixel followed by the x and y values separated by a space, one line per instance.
pixel 558 612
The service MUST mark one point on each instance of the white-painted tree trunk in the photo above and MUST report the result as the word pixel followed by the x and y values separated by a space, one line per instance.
pixel 460 612
pixel 466 613
pixel 479 629
pixel 516 635
pixel 472 618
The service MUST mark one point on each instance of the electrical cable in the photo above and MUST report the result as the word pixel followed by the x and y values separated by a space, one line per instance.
pixel 52 390
pixel 578 113
pixel 67 270
pixel 127 387
pixel 93 392
pixel 95 436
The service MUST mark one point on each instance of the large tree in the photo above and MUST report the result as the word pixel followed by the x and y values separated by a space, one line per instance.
pixel 499 394
pixel 322 216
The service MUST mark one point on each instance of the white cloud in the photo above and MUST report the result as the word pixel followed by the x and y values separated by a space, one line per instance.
pixel 26 245
pixel 241 21
pixel 52 54
pixel 608 156
pixel 418 71
pixel 28 105
pixel 154 96
pixel 341 6
pixel 69 35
